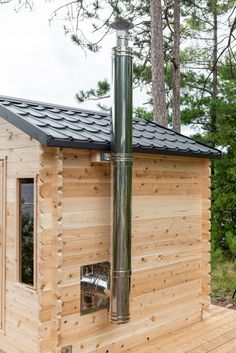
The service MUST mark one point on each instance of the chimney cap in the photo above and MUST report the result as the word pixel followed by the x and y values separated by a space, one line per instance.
pixel 121 25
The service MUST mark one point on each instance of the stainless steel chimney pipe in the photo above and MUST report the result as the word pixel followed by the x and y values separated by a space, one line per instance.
pixel 121 156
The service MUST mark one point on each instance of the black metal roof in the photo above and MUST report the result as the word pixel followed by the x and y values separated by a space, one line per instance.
pixel 61 126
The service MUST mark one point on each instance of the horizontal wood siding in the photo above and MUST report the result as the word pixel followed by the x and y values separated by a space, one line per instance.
pixel 21 304
pixel 170 247
pixel 206 234
pixel 170 281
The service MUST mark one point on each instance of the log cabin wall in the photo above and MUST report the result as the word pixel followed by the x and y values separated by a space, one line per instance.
pixel 19 310
pixel 170 249
pixel 50 243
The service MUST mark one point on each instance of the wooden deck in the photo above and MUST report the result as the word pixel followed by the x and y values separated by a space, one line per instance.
pixel 215 334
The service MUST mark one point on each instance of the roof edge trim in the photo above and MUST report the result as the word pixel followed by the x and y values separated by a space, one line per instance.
pixel 106 147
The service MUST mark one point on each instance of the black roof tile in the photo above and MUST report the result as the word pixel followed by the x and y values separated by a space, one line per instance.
pixel 55 125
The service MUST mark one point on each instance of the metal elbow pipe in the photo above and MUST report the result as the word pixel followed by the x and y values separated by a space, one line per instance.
pixel 94 285
pixel 121 157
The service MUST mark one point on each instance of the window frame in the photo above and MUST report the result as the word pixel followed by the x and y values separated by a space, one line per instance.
pixel 19 283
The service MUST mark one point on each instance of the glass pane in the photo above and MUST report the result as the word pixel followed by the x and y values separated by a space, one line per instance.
pixel 27 231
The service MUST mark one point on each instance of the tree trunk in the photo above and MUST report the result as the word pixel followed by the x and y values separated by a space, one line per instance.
pixel 214 95
pixel 176 68
pixel 157 62
pixel 215 69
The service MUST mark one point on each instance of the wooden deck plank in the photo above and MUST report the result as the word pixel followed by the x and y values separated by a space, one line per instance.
pixel 216 333
pixel 168 343
pixel 214 341
pixel 196 336
pixel 226 347
pixel 232 350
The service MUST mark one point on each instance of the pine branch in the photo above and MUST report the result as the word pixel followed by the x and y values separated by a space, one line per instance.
pixel 222 52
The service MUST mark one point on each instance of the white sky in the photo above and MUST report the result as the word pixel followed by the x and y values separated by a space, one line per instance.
pixel 40 62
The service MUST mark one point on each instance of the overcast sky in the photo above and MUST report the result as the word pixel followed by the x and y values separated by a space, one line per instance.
pixel 40 62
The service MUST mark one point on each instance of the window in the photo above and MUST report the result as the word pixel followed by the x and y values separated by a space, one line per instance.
pixel 26 231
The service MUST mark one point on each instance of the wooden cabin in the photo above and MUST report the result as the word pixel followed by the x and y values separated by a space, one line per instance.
pixel 55 225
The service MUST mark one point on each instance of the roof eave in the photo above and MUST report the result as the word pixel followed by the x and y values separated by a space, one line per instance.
pixel 177 152
pixel 52 142
pixel 23 125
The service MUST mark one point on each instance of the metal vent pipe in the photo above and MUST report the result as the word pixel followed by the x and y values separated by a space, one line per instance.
pixel 121 157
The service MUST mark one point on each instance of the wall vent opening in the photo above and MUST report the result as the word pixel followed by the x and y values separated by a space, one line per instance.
pixel 94 281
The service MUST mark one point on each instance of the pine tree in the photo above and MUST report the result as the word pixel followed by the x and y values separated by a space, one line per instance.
pixel 157 63
pixel 176 67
